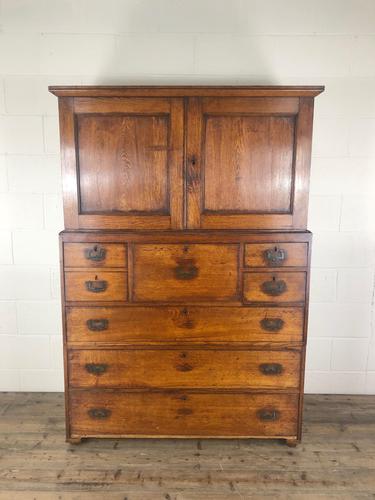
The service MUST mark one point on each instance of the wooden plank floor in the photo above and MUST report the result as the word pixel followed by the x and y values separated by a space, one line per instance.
pixel 336 459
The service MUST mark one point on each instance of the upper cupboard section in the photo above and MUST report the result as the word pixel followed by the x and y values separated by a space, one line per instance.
pixel 194 157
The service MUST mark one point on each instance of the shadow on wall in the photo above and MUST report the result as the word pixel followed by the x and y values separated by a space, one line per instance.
pixel 139 57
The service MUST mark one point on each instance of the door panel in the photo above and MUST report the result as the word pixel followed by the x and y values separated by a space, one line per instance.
pixel 125 167
pixel 246 164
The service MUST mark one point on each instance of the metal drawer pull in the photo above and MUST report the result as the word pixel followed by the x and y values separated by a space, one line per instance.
pixel 271 368
pixel 186 270
pixel 96 286
pixel 274 256
pixel 99 413
pixel 273 287
pixel 96 253
pixel 268 414
pixel 97 325
pixel 96 368
pixel 272 324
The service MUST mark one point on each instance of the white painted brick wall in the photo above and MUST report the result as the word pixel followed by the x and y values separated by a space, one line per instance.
pixel 329 42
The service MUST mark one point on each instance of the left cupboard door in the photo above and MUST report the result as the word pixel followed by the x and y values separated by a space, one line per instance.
pixel 123 162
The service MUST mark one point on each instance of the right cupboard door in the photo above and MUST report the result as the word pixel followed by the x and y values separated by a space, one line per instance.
pixel 248 162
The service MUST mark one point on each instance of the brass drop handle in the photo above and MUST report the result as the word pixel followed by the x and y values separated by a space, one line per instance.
pixel 268 414
pixel 271 368
pixel 97 325
pixel 186 270
pixel 272 324
pixel 96 286
pixel 95 253
pixel 96 368
pixel 274 256
pixel 274 287
pixel 99 413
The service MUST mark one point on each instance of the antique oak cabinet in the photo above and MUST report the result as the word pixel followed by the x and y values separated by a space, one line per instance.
pixel 185 260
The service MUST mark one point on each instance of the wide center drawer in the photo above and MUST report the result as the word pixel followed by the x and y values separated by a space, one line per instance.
pixel 184 324
pixel 101 413
pixel 191 272
pixel 195 368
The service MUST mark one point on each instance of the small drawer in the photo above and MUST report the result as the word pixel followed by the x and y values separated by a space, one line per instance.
pixel 173 369
pixel 92 286
pixel 276 255
pixel 95 255
pixel 275 287
pixel 184 324
pixel 187 414
pixel 191 272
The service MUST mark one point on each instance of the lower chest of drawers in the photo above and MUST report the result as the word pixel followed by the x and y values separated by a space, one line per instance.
pixel 195 336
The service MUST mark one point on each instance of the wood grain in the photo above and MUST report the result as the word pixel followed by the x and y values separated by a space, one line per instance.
pixel 182 414
pixel 214 273
pixel 295 254
pixel 123 163
pixel 194 369
pixel 76 289
pixel 295 287
pixel 252 156
pixel 184 324
pixel 78 255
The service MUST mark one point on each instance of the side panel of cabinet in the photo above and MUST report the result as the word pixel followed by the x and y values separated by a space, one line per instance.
pixel 248 162
pixel 123 162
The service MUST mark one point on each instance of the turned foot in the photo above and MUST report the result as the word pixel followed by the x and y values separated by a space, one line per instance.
pixel 74 440
pixel 292 443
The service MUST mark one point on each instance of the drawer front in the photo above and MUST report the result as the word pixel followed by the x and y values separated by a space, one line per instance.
pixel 276 255
pixel 194 272
pixel 95 286
pixel 188 323
pixel 94 413
pixel 184 369
pixel 274 287
pixel 95 255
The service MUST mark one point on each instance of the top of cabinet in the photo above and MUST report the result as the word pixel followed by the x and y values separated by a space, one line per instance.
pixel 187 91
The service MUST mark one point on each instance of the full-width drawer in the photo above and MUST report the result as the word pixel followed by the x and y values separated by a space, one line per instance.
pixel 95 255
pixel 274 287
pixel 184 324
pixel 95 413
pixel 194 272
pixel 276 254
pixel 95 286
pixel 196 368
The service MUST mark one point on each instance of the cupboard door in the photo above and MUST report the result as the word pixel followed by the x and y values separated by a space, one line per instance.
pixel 123 162
pixel 248 162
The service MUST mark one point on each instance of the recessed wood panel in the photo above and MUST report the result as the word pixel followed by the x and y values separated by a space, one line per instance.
pixel 184 324
pixel 185 272
pixel 182 414
pixel 248 163
pixel 123 163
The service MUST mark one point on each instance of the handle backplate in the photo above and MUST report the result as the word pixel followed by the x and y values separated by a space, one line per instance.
pixel 274 256
pixel 96 286
pixel 96 368
pixel 268 414
pixel 97 325
pixel 99 413
pixel 274 287
pixel 96 253
pixel 272 324
pixel 271 368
